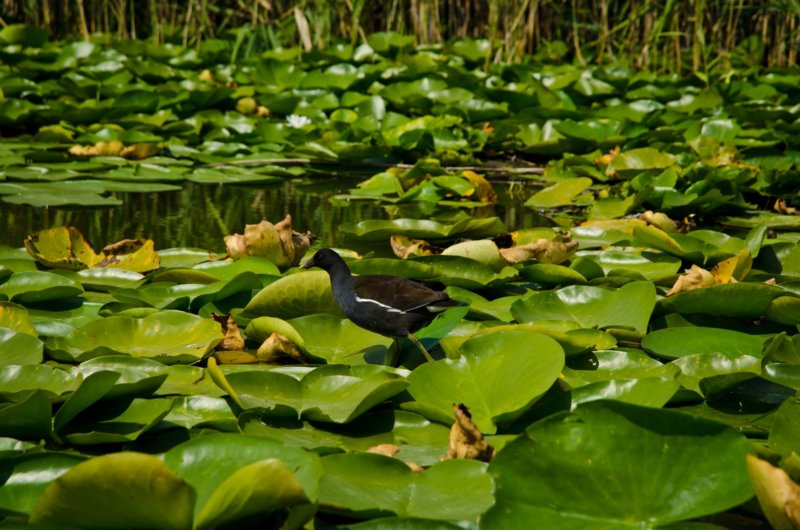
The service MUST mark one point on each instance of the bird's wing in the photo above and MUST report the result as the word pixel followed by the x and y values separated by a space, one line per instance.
pixel 396 292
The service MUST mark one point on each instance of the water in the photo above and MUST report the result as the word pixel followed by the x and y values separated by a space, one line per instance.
pixel 200 215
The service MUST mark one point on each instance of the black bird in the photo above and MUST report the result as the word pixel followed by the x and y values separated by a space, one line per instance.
pixel 389 305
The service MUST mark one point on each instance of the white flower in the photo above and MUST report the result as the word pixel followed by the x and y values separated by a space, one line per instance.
pixel 297 121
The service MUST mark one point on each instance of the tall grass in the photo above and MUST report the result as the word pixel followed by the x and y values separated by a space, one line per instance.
pixel 660 35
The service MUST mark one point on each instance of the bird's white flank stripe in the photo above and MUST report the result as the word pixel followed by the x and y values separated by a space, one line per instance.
pixel 389 308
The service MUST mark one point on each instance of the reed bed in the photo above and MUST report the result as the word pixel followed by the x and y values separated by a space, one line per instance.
pixel 676 36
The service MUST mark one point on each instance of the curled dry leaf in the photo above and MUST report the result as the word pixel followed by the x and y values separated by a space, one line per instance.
pixel 466 440
pixel 62 247
pixel 277 348
pixel 232 339
pixel 696 278
pixel 403 247
pixel 734 268
pixel 730 270
pixel 607 158
pixel 65 247
pixel 782 207
pixel 384 449
pixel 138 255
pixel 277 243
pixel 116 148
pixel 543 250
pixel 659 220
pixel 778 494
pixel 391 450
pixel 483 190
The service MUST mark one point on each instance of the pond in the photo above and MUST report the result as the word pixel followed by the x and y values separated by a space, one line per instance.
pixel 643 286
pixel 201 215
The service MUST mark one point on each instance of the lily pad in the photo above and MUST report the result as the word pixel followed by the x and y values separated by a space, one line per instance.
pixel 743 300
pixel 366 484
pixel 332 393
pixel 295 295
pixel 239 476
pixel 26 477
pixel 16 317
pixel 19 348
pixel 38 286
pixel 115 421
pixel 497 376
pixel 561 193
pixel 339 340
pixel 628 306
pixel 118 490
pixel 169 337
pixel 374 230
pixel 686 468
pixel 671 343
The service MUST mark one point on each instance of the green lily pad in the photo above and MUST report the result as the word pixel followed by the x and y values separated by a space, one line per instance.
pixel 696 367
pixel 28 418
pixel 19 348
pixel 17 318
pixel 784 310
pixel 332 393
pixel 498 376
pixel 93 388
pixel 105 279
pixel 225 270
pixel 239 476
pixel 630 376
pixel 115 421
pixel 686 468
pixel 137 376
pixel 183 257
pixel 419 440
pixel 295 295
pixel 365 485
pixel 650 265
pixel 637 160
pixel 742 300
pixel 561 193
pixel 783 436
pixel 26 476
pixel 672 343
pixel 551 274
pixel 448 270
pixel 374 230
pixel 22 378
pixel 628 306
pixel 38 286
pixel 118 490
pixel 339 341
pixel 644 391
pixel 169 337
pixel 201 411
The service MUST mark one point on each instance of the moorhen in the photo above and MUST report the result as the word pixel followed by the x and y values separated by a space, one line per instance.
pixel 389 305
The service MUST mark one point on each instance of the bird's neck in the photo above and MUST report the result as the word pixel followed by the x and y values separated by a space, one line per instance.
pixel 341 280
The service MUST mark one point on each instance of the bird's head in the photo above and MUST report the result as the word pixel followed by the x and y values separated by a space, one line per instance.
pixel 324 259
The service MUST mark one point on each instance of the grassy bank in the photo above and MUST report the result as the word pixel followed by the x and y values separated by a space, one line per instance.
pixel 661 35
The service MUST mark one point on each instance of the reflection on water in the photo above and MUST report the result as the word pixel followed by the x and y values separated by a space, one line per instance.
pixel 201 215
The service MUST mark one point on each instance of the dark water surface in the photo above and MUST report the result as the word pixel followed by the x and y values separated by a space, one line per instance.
pixel 200 215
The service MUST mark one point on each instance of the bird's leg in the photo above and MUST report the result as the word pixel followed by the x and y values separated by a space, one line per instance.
pixel 419 345
pixel 392 354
